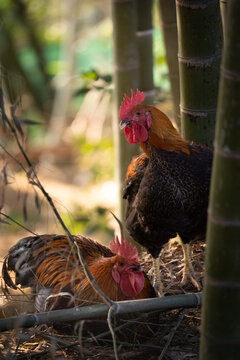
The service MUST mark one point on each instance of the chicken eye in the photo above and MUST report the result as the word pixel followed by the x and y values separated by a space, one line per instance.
pixel 138 113
pixel 121 264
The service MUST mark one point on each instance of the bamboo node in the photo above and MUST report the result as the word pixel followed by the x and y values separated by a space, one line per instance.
pixel 169 25
pixel 196 112
pixel 195 5
pixel 230 75
pixel 226 152
pixel 219 283
pixel 199 61
pixel 223 222
pixel 127 67
pixel 147 32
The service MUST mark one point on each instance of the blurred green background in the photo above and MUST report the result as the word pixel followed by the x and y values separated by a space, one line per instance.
pixel 57 57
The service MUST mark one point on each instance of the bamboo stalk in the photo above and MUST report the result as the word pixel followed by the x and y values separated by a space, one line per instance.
pixel 145 48
pixel 223 8
pixel 199 47
pixel 63 93
pixel 168 20
pixel 126 76
pixel 220 335
pixel 94 312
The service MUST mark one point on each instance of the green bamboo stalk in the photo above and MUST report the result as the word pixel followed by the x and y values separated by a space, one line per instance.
pixel 126 63
pixel 168 20
pixel 145 48
pixel 199 47
pixel 94 312
pixel 63 88
pixel 220 337
pixel 223 7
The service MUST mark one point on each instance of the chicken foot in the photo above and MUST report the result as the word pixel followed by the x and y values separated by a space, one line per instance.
pixel 187 272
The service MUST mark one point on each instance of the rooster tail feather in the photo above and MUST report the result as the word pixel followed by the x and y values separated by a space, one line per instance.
pixel 6 277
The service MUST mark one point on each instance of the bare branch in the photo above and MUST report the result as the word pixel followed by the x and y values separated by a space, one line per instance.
pixel 34 180
pixel 17 223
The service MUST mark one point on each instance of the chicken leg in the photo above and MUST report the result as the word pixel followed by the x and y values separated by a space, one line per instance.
pixel 187 272
pixel 157 282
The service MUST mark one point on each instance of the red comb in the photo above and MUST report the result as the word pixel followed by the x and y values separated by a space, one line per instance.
pixel 128 104
pixel 124 249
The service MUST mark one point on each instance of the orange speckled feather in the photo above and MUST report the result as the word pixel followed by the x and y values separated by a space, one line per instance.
pixel 52 262
pixel 162 134
pixel 137 162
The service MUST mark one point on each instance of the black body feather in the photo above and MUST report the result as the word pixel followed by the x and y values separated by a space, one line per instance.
pixel 167 195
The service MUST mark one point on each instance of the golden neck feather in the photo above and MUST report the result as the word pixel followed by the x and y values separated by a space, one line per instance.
pixel 163 135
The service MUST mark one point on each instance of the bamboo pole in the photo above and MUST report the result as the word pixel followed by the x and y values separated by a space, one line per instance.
pixel 168 20
pixel 63 92
pixel 126 76
pixel 145 48
pixel 199 47
pixel 223 7
pixel 220 336
pixel 94 312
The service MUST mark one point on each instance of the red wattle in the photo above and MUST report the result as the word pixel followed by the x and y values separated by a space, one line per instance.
pixel 132 283
pixel 137 133
pixel 129 135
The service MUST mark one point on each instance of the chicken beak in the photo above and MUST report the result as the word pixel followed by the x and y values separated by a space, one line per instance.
pixel 137 268
pixel 124 123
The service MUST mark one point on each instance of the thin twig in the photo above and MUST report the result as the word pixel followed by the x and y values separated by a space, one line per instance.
pixel 111 312
pixel 80 336
pixel 171 335
pixel 17 223
pixel 59 342
pixel 20 341
pixel 67 344
pixel 123 326
pixel 34 180
pixel 13 158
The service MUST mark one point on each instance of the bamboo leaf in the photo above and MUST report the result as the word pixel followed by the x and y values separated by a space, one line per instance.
pixel 17 123
pixel 25 213
pixel 28 121
pixel 37 201
pixel 2 199
pixel 2 108
pixel 5 175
